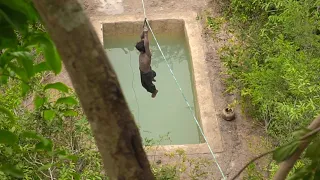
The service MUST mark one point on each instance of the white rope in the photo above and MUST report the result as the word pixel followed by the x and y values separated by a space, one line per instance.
pixel 174 77
pixel 134 91
pixel 144 9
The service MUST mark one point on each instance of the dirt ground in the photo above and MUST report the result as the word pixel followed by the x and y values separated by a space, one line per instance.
pixel 242 138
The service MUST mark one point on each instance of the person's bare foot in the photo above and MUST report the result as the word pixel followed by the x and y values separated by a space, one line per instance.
pixel 154 94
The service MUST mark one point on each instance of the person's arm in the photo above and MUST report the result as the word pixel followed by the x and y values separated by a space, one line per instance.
pixel 142 35
pixel 146 41
pixel 144 25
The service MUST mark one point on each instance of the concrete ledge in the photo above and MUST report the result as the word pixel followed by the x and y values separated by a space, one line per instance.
pixel 175 23
pixel 189 149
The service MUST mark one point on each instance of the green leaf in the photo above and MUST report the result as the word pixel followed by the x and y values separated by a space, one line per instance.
pixel 38 101
pixel 24 89
pixel 67 100
pixel 50 53
pixel 19 71
pixel 69 157
pixel 5 111
pixel 5 58
pixel 41 67
pixel 15 18
pixel 313 150
pixel 53 59
pixel 284 152
pixel 45 145
pixel 12 170
pixel 317 174
pixel 70 113
pixel 45 167
pixel 308 176
pixel 76 176
pixel 25 60
pixel 8 151
pixel 3 80
pixel 49 115
pixel 23 7
pixel 30 135
pixel 300 133
pixel 7 137
pixel 8 38
pixel 298 174
pixel 61 152
pixel 4 74
pixel 58 86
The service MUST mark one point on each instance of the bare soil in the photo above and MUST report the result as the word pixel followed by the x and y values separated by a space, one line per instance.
pixel 242 137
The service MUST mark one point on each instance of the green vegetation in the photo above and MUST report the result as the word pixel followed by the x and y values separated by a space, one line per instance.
pixel 192 168
pixel 274 66
pixel 42 138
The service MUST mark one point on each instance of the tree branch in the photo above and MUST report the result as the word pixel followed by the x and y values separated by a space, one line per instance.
pixel 50 172
pixel 35 166
pixel 303 139
pixel 251 161
pixel 95 82
pixel 288 164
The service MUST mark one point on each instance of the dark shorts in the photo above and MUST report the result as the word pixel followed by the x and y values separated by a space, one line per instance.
pixel 146 80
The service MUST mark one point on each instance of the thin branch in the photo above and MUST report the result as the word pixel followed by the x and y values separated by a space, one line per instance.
pixel 288 164
pixel 310 134
pixel 44 174
pixel 50 172
pixel 251 161
pixel 36 166
pixel 303 139
pixel 28 161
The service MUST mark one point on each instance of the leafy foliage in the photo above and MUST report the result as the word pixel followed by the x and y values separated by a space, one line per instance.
pixel 274 66
pixel 21 41
pixel 7 137
pixel 53 148
pixel 58 86
pixel 282 153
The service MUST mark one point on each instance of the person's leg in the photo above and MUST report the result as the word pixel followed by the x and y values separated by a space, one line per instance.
pixel 143 80
pixel 154 74
pixel 151 87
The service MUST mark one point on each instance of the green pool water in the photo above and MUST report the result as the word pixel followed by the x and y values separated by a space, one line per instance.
pixel 168 112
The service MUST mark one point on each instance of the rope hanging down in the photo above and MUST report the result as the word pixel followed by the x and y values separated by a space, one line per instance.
pixel 134 91
pixel 174 77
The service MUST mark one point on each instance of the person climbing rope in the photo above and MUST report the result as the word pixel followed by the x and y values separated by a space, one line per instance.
pixel 146 73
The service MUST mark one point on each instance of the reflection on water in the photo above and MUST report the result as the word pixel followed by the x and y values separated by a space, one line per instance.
pixel 167 113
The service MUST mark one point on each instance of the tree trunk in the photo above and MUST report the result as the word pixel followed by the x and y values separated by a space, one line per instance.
pixel 116 134
pixel 288 164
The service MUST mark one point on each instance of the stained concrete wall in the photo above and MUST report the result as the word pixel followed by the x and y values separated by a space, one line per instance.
pixel 135 27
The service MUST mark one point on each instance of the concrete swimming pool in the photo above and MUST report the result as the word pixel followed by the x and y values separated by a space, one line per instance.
pixel 168 112
pixel 180 38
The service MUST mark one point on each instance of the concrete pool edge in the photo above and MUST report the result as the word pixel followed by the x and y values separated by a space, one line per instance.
pixel 203 94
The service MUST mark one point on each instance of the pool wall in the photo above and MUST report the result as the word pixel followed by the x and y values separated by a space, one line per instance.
pixel 175 23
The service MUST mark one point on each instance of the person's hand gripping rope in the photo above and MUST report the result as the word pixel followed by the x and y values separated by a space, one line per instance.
pixel 145 25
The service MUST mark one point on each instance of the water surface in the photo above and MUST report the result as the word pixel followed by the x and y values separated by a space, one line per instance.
pixel 168 112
